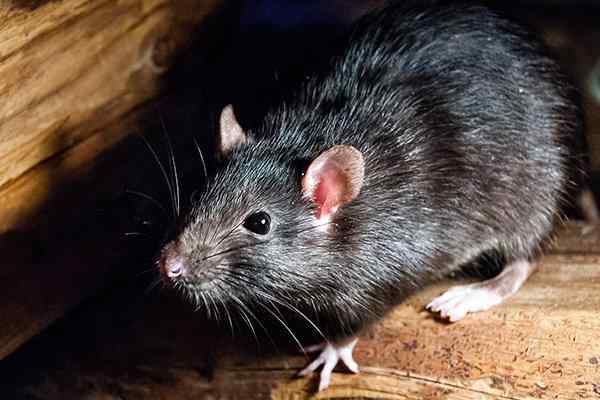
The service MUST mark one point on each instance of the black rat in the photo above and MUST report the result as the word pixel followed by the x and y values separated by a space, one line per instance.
pixel 440 133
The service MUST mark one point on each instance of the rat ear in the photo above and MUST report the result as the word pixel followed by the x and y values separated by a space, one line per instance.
pixel 333 179
pixel 231 134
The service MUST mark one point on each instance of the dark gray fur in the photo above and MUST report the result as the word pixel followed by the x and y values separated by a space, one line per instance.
pixel 466 128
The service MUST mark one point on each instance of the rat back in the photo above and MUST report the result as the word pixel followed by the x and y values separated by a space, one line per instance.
pixel 466 128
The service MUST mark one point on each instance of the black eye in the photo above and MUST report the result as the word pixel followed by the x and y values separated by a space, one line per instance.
pixel 259 223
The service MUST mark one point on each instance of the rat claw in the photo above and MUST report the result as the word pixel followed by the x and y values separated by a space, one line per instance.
pixel 447 302
pixel 330 355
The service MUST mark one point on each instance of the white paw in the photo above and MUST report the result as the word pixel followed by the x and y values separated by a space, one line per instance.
pixel 330 355
pixel 458 301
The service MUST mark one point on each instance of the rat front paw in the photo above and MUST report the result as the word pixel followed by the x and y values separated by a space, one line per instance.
pixel 331 354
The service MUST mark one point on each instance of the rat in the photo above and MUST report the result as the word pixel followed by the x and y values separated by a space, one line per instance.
pixel 438 134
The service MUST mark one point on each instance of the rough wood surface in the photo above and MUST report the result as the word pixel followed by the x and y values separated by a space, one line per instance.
pixel 26 195
pixel 44 274
pixel 75 77
pixel 541 344
pixel 70 68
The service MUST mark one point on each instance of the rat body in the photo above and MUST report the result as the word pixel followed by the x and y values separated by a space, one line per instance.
pixel 438 135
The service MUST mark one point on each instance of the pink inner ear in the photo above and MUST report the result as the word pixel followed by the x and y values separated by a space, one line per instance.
pixel 326 193
pixel 333 179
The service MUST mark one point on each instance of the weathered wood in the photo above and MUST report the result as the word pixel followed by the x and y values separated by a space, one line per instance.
pixel 24 196
pixel 41 281
pixel 577 237
pixel 70 68
pixel 74 78
pixel 541 344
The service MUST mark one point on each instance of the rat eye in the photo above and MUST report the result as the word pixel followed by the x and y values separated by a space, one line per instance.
pixel 259 223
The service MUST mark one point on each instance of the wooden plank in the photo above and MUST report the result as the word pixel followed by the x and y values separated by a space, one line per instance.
pixel 75 64
pixel 60 265
pixel 68 68
pixel 41 182
pixel 541 344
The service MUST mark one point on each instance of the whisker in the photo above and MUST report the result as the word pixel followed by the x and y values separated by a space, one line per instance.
pixel 243 309
pixel 149 198
pixel 260 292
pixel 152 286
pixel 146 271
pixel 202 161
pixel 287 328
pixel 173 164
pixel 134 234
pixel 291 307
pixel 205 304
pixel 163 171
pixel 212 301
pixel 266 267
pixel 193 298
pixel 214 234
pixel 249 323
pixel 251 244
pixel 221 241
pixel 312 227
pixel 227 315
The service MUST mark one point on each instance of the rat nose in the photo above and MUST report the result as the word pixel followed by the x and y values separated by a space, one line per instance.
pixel 171 264
pixel 173 268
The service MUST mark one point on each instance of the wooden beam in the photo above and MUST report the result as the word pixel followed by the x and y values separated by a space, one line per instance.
pixel 75 78
pixel 69 68
pixel 59 265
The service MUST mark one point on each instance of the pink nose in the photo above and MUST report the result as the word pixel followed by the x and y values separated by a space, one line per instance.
pixel 171 264
pixel 173 268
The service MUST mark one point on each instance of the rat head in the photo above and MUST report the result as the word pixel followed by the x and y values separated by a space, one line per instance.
pixel 268 226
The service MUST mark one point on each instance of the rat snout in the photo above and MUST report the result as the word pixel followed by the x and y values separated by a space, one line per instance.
pixel 192 266
pixel 172 264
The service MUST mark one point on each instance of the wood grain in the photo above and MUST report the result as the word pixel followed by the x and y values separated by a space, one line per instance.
pixel 541 344
pixel 75 77
pixel 46 271
pixel 69 68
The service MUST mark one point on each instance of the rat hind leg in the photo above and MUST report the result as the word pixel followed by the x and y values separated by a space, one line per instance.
pixel 460 300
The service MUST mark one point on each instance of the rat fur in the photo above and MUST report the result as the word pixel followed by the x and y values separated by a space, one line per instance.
pixel 465 129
